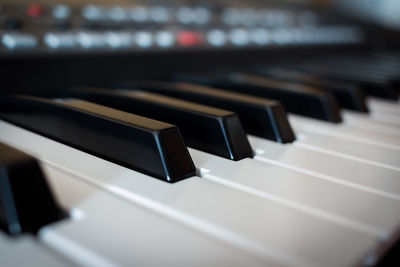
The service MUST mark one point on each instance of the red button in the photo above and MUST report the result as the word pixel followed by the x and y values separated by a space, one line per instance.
pixel 187 38
pixel 35 10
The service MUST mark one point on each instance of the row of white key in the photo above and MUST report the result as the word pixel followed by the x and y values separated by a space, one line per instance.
pixel 255 225
pixel 109 231
pixel 300 206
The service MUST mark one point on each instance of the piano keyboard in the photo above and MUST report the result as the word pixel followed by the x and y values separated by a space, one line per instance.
pixel 287 161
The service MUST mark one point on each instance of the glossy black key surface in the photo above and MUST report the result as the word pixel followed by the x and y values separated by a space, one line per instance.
pixel 212 130
pixel 395 83
pixel 26 201
pixel 148 146
pixel 386 76
pixel 303 100
pixel 260 117
pixel 367 67
pixel 347 95
pixel 370 85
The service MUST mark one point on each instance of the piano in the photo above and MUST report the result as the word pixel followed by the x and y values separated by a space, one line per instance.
pixel 191 133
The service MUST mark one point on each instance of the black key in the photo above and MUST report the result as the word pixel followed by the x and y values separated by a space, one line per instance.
pixel 369 85
pixel 347 95
pixel 303 100
pixel 260 117
pixel 395 83
pixel 213 130
pixel 148 146
pixel 366 67
pixel 26 201
pixel 389 78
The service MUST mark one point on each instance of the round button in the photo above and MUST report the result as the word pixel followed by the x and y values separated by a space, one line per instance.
pixel 92 12
pixel 139 14
pixel 144 39
pixel 119 39
pixel 117 14
pixel 159 14
pixel 61 12
pixel 216 37
pixel 260 36
pixel 35 10
pixel 185 15
pixel 202 15
pixel 239 37
pixel 164 39
pixel 188 38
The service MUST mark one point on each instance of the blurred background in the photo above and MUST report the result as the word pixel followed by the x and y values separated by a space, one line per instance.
pixel 383 12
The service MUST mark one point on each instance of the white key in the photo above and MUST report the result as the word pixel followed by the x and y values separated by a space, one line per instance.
pixel 364 122
pixel 370 178
pixel 392 119
pixel 346 146
pixel 389 107
pixel 113 232
pixel 26 251
pixel 379 117
pixel 328 199
pixel 263 226
pixel 346 131
pixel 367 153
pixel 386 117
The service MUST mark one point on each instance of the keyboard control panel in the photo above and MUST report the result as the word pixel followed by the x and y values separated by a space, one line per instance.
pixel 62 27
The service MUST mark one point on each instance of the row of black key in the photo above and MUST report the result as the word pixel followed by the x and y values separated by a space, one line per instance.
pixel 137 127
pixel 149 146
pixel 157 148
